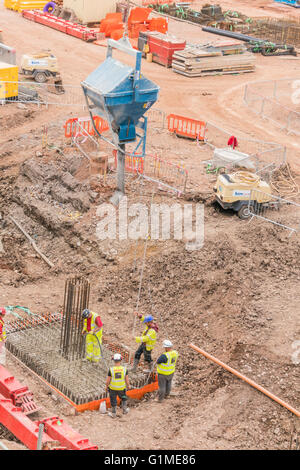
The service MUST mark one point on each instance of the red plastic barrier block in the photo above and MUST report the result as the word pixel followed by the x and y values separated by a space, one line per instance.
pixel 29 14
pixel 58 430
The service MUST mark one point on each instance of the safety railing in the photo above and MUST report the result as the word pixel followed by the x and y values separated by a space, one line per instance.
pixel 83 127
pixel 41 94
pixel 264 156
pixel 274 101
pixel 274 209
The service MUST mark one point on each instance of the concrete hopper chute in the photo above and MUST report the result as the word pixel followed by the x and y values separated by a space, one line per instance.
pixel 119 92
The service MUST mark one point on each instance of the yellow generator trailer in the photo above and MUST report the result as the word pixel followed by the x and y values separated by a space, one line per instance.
pixel 239 190
pixel 43 67
pixel 39 66
pixel 8 81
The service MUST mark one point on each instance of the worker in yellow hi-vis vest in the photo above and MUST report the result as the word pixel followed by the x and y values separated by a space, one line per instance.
pixel 2 336
pixel 147 340
pixel 117 381
pixel 166 365
pixel 92 329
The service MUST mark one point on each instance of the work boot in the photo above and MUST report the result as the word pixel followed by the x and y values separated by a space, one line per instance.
pixel 158 400
pixel 113 412
pixel 150 367
pixel 135 364
pixel 125 409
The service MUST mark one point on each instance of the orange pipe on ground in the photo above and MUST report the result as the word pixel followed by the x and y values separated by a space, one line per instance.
pixel 246 379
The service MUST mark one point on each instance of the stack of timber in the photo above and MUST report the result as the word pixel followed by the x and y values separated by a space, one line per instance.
pixel 196 62
pixel 228 47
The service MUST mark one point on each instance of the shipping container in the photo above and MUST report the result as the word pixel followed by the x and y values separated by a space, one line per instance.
pixel 91 11
pixel 8 81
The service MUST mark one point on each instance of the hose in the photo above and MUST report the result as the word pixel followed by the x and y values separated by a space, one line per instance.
pixel 49 7
pixel 245 177
pixel 284 183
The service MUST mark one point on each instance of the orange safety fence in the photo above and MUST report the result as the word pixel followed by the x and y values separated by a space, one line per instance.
pixel 133 164
pixel 186 127
pixel 85 127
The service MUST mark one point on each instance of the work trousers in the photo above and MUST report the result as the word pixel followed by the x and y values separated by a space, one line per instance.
pixel 113 394
pixel 164 384
pixel 93 346
pixel 142 350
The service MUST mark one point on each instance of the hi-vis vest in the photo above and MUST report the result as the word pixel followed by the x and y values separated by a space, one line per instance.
pixel 117 381
pixel 3 330
pixel 168 368
pixel 148 337
pixel 93 325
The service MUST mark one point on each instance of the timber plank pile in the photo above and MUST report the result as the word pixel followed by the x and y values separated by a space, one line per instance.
pixel 197 62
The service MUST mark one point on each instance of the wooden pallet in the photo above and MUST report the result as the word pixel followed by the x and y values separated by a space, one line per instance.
pixel 196 62
pixel 216 72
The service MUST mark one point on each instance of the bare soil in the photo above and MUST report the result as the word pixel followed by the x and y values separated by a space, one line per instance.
pixel 238 297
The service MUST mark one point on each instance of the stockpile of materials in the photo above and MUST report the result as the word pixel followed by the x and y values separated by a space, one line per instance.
pixel 113 26
pixel 199 62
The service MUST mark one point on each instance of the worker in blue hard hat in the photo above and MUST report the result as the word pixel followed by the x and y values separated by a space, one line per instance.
pixel 147 340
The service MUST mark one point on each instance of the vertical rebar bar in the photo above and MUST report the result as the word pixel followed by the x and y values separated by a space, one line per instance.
pixel 75 301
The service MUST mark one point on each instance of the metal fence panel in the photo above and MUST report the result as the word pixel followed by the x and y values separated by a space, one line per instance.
pixel 276 210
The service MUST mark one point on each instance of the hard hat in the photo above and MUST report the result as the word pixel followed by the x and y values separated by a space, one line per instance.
pixel 2 311
pixel 167 343
pixel 148 318
pixel 86 313
pixel 117 357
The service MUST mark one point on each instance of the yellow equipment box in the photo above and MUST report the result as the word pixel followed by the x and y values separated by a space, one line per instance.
pixel 8 81
pixel 237 190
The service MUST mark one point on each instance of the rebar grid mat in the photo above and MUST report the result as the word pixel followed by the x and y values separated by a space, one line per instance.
pixel 36 342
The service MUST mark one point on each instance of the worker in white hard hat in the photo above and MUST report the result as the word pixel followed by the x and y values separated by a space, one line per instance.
pixel 116 383
pixel 166 365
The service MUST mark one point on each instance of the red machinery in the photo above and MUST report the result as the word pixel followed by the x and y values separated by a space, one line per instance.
pixel 73 29
pixel 19 394
pixel 16 402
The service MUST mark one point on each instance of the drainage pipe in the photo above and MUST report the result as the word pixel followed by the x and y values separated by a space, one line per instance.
pixel 246 379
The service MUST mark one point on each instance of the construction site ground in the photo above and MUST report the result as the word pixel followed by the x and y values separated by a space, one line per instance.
pixel 237 297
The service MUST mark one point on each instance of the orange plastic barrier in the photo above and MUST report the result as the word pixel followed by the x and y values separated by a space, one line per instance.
pixel 86 126
pixel 109 20
pixel 136 394
pixel 132 164
pixel 158 24
pixel 186 127
pixel 138 15
pixel 117 34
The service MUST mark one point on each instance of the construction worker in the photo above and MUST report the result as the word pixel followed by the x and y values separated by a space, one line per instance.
pixel 92 329
pixel 117 381
pixel 148 340
pixel 166 364
pixel 2 336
